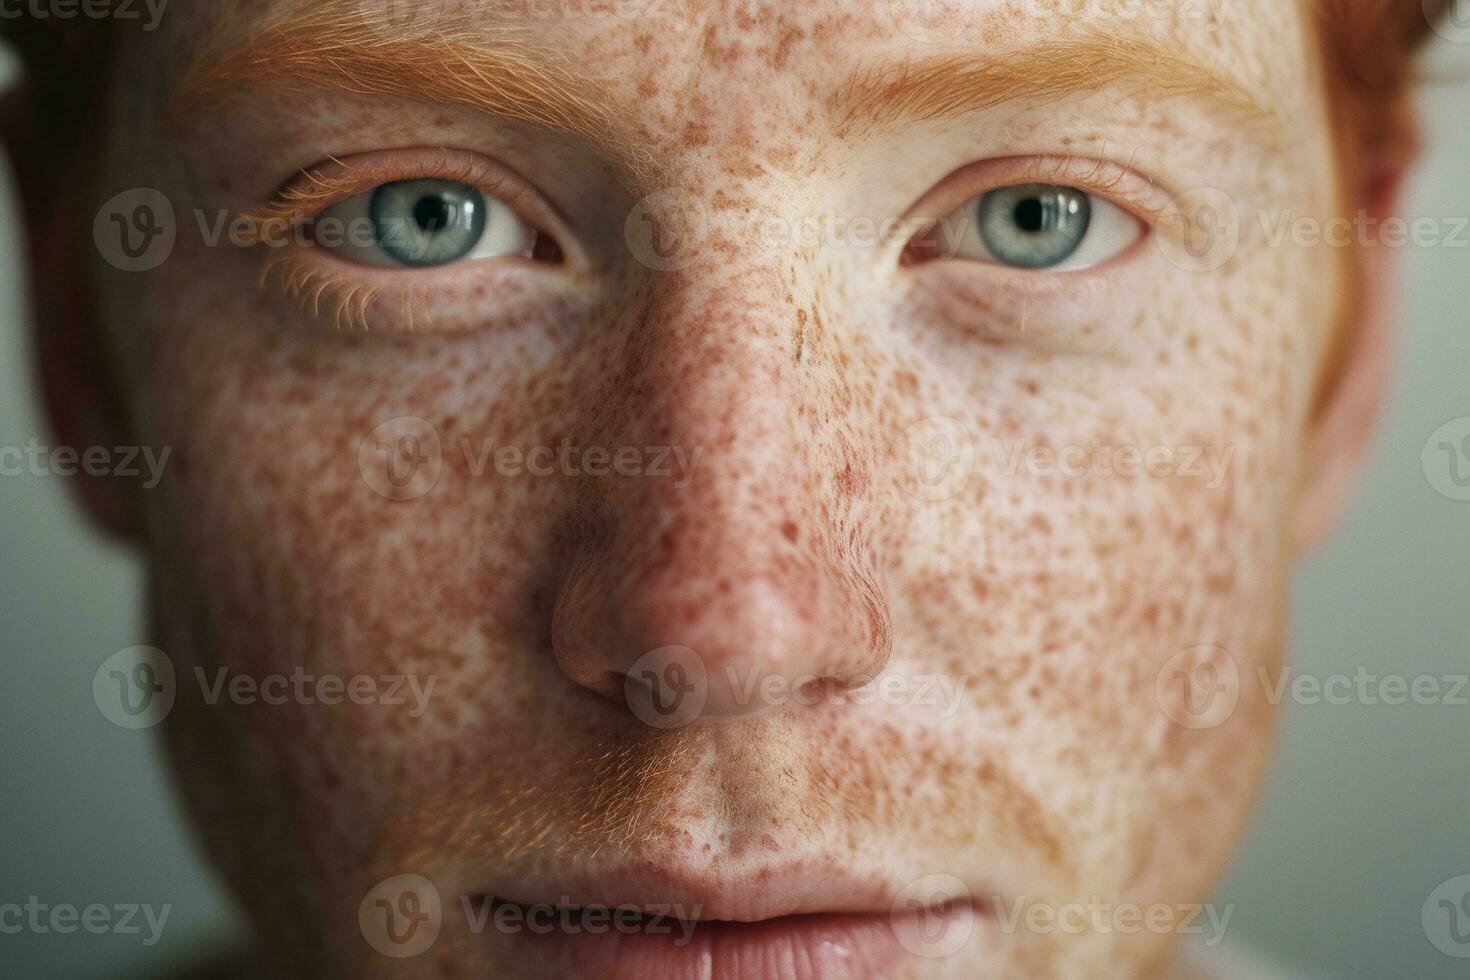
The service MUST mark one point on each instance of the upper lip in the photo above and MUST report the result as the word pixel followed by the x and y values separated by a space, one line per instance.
pixel 750 895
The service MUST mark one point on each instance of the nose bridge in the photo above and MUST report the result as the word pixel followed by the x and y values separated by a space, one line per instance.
pixel 716 360
pixel 719 369
pixel 751 559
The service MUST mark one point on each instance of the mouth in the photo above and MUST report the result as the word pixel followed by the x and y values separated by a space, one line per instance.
pixel 768 926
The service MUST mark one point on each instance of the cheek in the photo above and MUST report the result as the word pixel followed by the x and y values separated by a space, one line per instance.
pixel 299 527
pixel 1112 510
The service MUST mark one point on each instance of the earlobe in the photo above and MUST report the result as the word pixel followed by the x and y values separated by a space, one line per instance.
pixel 1355 385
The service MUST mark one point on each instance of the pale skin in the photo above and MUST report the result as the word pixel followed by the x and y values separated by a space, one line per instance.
pixel 805 544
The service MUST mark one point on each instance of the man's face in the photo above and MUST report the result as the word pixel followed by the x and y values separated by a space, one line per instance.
pixel 765 559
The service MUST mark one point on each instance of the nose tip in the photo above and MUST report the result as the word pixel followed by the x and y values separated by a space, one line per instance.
pixel 754 582
pixel 680 646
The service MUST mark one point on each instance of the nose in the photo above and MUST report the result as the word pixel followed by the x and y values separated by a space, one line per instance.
pixel 745 577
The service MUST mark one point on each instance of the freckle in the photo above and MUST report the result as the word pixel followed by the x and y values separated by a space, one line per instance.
pixel 790 531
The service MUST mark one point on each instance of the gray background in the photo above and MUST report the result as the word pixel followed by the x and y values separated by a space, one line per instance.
pixel 1367 812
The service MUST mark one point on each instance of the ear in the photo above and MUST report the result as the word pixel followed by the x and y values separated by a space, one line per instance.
pixel 1356 382
pixel 78 382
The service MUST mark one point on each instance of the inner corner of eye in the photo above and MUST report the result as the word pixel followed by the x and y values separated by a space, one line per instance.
pixel 928 245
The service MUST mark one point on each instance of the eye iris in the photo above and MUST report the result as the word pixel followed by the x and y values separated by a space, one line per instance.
pixel 1034 226
pixel 428 222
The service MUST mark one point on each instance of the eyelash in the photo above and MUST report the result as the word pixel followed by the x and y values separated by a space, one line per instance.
pixel 337 289
pixel 341 291
pixel 314 192
pixel 1121 185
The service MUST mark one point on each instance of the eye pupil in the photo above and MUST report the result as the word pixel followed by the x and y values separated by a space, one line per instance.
pixel 1034 226
pixel 1031 215
pixel 432 213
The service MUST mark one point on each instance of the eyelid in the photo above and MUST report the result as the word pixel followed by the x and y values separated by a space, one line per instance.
pixel 1145 199
pixel 324 185
pixel 352 296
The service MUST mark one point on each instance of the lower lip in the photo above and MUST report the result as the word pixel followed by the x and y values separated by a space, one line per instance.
pixel 793 947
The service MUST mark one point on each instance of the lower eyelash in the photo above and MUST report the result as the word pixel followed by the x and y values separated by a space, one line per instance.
pixel 342 296
pixel 325 295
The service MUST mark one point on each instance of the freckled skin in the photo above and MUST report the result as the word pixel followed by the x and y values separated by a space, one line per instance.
pixel 798 546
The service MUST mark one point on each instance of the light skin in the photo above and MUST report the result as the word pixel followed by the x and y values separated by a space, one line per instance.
pixel 812 383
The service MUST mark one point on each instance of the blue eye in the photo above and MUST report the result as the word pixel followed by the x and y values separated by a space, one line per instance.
pixel 1040 226
pixel 424 224
pixel 428 222
pixel 1034 226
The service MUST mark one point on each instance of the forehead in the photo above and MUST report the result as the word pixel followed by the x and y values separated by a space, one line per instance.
pixel 657 45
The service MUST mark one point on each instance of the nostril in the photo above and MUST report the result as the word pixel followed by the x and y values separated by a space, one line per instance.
pixel 824 690
pixel 815 689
